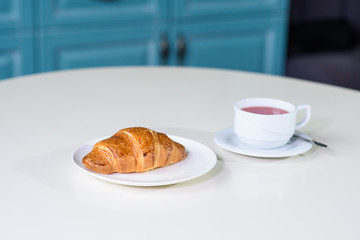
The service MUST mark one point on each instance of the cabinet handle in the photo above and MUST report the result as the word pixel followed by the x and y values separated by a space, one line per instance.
pixel 180 46
pixel 164 47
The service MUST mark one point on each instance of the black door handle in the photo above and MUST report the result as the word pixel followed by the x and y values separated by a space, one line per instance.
pixel 180 47
pixel 164 47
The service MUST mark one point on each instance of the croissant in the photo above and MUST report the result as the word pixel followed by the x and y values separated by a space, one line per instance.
pixel 135 149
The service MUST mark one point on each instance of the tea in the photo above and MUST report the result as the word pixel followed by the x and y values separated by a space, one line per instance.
pixel 265 110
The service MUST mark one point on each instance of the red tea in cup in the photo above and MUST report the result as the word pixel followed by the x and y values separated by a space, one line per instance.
pixel 265 110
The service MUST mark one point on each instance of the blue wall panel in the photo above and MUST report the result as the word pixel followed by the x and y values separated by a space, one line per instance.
pixel 116 47
pixel 244 45
pixel 197 8
pixel 15 14
pixel 16 56
pixel 60 12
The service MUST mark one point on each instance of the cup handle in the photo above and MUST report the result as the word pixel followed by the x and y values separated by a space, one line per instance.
pixel 307 115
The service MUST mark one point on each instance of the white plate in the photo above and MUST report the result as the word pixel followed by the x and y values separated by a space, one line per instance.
pixel 200 160
pixel 227 139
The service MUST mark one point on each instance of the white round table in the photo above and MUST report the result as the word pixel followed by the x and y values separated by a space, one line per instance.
pixel 45 117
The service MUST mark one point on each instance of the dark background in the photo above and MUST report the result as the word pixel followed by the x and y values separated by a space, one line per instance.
pixel 324 41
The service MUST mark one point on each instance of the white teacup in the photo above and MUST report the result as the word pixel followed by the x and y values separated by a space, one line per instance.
pixel 267 123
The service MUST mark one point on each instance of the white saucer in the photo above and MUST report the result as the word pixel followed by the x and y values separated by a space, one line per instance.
pixel 228 140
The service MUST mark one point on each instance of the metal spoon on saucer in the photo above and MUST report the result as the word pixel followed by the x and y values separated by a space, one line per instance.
pixel 311 141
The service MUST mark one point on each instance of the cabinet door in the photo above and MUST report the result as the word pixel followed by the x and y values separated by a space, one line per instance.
pixel 60 12
pixel 196 8
pixel 245 45
pixel 16 56
pixel 15 14
pixel 116 47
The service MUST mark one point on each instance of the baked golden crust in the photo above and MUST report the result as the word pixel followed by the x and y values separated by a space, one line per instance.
pixel 134 149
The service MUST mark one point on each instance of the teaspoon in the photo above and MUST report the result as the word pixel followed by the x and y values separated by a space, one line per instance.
pixel 311 141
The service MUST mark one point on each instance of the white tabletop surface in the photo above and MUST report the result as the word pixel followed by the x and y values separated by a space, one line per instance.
pixel 45 117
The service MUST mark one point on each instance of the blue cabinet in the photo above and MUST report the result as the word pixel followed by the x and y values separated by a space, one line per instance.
pixel 16 55
pixel 253 45
pixel 16 39
pixel 15 14
pixel 71 12
pixel 43 35
pixel 104 47
pixel 245 35
pixel 228 8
